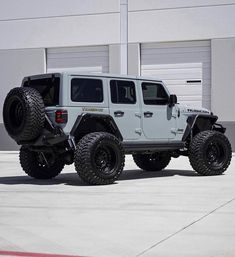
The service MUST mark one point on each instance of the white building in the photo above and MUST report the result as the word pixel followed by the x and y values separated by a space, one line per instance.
pixel 188 43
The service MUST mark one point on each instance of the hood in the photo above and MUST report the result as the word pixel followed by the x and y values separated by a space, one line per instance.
pixel 193 110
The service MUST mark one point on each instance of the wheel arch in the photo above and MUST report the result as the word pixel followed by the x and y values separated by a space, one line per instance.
pixel 199 123
pixel 88 123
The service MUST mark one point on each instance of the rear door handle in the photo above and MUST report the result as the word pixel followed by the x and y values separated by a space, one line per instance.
pixel 118 113
pixel 148 114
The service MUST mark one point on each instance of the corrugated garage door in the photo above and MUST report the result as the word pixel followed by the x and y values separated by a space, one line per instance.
pixel 81 59
pixel 184 66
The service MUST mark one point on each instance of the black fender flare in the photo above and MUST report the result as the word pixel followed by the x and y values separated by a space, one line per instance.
pixel 204 122
pixel 104 118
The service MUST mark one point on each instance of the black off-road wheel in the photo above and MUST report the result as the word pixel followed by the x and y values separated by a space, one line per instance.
pixel 210 153
pixel 152 162
pixel 40 165
pixel 99 158
pixel 24 113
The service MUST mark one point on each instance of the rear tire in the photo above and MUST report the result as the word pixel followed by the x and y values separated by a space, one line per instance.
pixel 99 158
pixel 24 113
pixel 210 153
pixel 152 162
pixel 35 166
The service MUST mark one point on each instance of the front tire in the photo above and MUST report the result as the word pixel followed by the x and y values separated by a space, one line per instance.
pixel 152 162
pixel 34 164
pixel 99 158
pixel 210 153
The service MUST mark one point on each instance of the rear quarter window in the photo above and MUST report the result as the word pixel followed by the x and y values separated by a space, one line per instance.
pixel 49 88
pixel 86 90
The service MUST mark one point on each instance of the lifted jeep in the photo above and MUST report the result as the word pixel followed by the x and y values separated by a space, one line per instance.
pixel 94 120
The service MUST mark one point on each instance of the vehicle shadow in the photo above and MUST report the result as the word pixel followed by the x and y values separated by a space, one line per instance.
pixel 73 179
pixel 140 174
pixel 66 178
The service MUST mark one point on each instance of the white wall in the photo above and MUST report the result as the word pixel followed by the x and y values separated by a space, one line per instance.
pixel 57 23
pixel 14 65
pixel 140 5
pixel 28 9
pixel 179 20
pixel 223 78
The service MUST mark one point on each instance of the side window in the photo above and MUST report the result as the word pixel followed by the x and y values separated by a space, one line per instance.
pixel 154 94
pixel 122 92
pixel 86 90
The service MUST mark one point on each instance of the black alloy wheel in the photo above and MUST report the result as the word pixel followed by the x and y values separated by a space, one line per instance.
pixel 215 154
pixel 99 158
pixel 105 160
pixel 210 153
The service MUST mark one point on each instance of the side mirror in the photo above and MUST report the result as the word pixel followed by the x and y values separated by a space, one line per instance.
pixel 172 100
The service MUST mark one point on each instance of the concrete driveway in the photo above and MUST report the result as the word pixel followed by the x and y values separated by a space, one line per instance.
pixel 170 213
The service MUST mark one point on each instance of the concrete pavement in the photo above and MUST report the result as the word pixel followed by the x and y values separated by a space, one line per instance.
pixel 170 213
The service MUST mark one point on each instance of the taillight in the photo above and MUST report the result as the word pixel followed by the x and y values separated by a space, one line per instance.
pixel 61 116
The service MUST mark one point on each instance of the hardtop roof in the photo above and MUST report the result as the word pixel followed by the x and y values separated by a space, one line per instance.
pixel 110 75
pixel 102 75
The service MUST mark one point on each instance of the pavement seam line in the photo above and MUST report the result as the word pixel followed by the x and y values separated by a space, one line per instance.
pixel 185 227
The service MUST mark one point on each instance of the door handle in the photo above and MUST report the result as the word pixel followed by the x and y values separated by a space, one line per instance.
pixel 118 113
pixel 148 114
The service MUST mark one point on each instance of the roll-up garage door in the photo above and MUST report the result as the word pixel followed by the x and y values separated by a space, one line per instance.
pixel 184 66
pixel 78 59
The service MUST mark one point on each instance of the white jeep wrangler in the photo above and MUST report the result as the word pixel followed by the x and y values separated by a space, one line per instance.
pixel 94 120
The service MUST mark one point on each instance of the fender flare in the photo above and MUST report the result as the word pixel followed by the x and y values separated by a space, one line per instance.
pixel 195 119
pixel 104 118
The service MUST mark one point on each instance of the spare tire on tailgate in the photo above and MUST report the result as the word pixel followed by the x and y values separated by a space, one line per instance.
pixel 24 113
